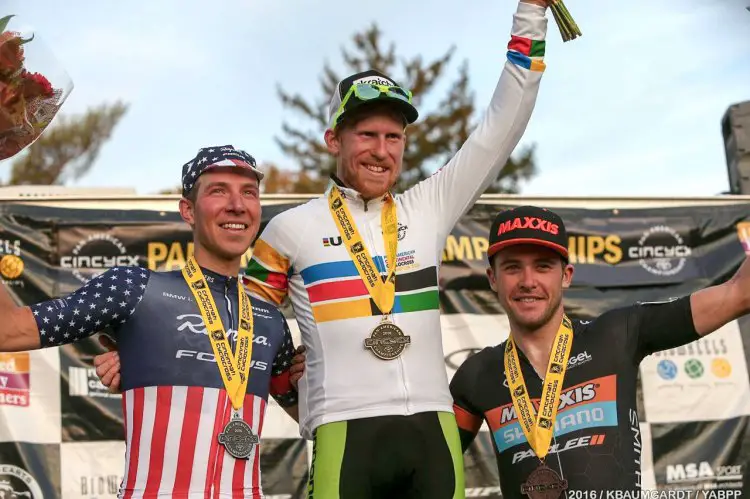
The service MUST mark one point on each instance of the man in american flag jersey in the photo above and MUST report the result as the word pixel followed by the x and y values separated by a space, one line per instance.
pixel 175 403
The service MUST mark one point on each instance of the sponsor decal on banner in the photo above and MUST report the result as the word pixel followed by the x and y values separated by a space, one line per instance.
pixel 170 256
pixel 703 380
pixel 704 476
pixel 83 382
pixel 95 254
pixel 15 379
pixel 11 263
pixel 15 482
pixel 91 470
pixel 661 251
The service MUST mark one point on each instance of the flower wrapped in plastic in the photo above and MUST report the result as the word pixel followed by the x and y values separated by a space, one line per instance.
pixel 33 87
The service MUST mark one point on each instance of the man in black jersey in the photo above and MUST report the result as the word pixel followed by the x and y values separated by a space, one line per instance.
pixel 585 429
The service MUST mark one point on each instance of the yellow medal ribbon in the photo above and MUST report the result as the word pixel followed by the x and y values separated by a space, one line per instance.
pixel 234 373
pixel 383 293
pixel 539 428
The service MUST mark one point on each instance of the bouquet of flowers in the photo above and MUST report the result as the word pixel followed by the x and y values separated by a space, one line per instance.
pixel 28 100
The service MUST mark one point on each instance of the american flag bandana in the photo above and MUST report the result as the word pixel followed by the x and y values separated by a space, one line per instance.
pixel 216 156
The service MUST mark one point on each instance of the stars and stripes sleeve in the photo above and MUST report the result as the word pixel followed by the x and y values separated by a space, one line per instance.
pixel 104 302
pixel 281 388
pixel 267 273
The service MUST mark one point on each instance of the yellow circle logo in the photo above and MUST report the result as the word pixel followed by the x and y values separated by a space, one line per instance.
pixel 11 266
pixel 721 368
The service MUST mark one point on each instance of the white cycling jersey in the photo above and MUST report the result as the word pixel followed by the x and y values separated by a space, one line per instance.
pixel 300 254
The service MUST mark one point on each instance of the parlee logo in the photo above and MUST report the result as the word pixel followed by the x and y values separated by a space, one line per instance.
pixel 527 223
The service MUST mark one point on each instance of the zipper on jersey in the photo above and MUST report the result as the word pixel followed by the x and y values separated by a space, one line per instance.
pixel 371 244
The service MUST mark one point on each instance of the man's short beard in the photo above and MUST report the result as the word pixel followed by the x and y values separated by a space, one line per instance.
pixel 535 325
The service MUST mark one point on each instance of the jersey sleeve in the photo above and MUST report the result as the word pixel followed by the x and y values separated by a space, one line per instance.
pixel 468 417
pixel 267 273
pixel 281 388
pixel 106 301
pixel 453 189
pixel 656 326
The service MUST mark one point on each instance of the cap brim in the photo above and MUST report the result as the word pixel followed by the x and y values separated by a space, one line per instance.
pixel 525 240
pixel 241 166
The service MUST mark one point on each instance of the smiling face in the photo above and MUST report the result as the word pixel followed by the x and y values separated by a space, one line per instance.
pixel 369 150
pixel 224 210
pixel 529 282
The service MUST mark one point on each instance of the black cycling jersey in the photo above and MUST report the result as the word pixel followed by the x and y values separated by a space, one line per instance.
pixel 597 440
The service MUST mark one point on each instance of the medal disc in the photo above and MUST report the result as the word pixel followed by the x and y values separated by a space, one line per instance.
pixel 238 438
pixel 387 341
pixel 544 483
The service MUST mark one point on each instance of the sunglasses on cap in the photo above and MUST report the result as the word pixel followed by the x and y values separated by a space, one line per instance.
pixel 368 91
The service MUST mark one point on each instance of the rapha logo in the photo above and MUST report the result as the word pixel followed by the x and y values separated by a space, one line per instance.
pixel 194 323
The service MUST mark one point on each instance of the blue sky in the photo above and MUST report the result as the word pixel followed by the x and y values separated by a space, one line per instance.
pixel 631 108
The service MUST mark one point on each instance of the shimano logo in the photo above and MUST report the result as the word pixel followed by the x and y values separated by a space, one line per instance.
pixel 209 357
pixel 194 323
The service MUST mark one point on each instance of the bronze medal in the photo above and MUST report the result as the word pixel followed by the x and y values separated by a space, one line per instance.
pixel 544 483
pixel 387 341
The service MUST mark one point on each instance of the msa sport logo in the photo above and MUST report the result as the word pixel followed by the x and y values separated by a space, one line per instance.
pixel 209 357
pixel 573 443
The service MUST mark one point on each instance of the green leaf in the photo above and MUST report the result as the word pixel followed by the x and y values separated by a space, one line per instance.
pixel 27 41
pixel 4 22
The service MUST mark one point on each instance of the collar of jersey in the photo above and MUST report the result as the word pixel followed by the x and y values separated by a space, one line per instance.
pixel 354 197
pixel 219 282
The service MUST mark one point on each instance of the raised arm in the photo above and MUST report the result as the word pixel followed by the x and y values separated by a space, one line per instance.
pixel 718 305
pixel 455 187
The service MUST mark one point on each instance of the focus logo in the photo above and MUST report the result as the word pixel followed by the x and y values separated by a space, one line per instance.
pixel 15 379
pixel 95 254
pixel 661 251
pixel 17 482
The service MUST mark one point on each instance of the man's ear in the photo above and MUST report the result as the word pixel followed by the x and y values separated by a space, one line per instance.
pixel 491 278
pixel 567 276
pixel 187 212
pixel 333 142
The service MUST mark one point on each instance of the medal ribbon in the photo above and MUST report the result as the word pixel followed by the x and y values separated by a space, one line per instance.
pixel 234 370
pixel 540 427
pixel 383 293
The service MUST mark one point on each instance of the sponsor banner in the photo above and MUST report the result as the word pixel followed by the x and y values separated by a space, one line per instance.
pixel 29 470
pixel 702 381
pixel 701 455
pixel 89 411
pixel 620 256
pixel 29 393
pixel 91 470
